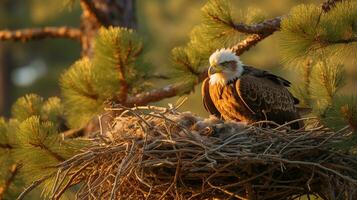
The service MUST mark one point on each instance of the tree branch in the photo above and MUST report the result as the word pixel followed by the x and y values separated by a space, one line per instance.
pixel 266 27
pixel 344 41
pixel 33 185
pixel 89 6
pixel 153 96
pixel 13 172
pixel 55 155
pixel 123 93
pixel 249 42
pixel 41 33
pixel 5 146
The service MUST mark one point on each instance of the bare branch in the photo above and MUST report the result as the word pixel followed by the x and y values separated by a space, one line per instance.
pixel 249 42
pixel 266 27
pixel 153 96
pixel 41 33
pixel 89 6
pixel 123 93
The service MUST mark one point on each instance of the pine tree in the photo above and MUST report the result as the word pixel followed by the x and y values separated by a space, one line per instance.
pixel 316 39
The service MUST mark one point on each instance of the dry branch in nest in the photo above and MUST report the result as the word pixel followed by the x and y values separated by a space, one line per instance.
pixel 158 153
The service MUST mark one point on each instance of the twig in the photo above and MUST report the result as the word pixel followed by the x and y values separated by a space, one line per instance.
pixel 343 41
pixel 70 182
pixel 41 33
pixel 13 172
pixel 32 186
pixel 227 192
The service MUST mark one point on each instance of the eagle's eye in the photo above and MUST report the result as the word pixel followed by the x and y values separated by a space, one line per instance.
pixel 229 64
pixel 225 64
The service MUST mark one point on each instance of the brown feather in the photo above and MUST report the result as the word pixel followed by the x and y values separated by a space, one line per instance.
pixel 257 95
pixel 275 102
pixel 207 101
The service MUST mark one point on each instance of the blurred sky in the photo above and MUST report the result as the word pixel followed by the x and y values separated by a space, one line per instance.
pixel 163 24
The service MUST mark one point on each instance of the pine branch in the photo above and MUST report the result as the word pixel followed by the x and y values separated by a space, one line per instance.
pixel 33 185
pixel 307 71
pixel 349 116
pixel 153 96
pixel 124 86
pixel 89 6
pixel 41 33
pixel 49 151
pixel 6 146
pixel 249 42
pixel 14 169
pixel 344 41
pixel 266 27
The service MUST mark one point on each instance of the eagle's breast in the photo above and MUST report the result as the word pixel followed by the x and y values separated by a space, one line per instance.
pixel 228 103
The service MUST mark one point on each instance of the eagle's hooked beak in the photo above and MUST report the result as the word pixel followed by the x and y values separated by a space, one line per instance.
pixel 215 69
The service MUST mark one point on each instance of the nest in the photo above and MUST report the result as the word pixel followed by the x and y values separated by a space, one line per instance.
pixel 159 153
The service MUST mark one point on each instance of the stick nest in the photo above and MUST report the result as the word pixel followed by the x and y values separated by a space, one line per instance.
pixel 159 153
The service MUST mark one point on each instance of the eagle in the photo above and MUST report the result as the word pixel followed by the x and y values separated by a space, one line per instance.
pixel 234 91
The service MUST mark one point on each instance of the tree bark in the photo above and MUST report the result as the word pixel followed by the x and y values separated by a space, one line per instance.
pixel 97 13
pixel 6 65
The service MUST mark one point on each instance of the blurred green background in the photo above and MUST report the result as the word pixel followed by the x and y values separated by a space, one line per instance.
pixel 35 66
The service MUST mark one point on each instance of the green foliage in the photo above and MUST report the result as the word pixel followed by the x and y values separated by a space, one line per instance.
pixel 321 90
pixel 309 32
pixel 218 21
pixel 327 79
pixel 34 105
pixel 5 147
pixel 219 24
pixel 116 59
pixel 40 148
pixel 52 110
pixel 342 112
pixel 116 68
pixel 322 81
pixel 27 106
pixel 31 143
pixel 253 15
pixel 80 100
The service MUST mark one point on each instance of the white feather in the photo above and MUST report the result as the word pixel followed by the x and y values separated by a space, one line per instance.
pixel 221 56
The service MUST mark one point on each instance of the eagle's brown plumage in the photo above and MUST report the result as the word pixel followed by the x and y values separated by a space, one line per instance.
pixel 254 96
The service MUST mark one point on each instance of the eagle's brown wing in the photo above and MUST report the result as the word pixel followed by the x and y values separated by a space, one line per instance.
pixel 267 99
pixel 207 101
pixel 248 70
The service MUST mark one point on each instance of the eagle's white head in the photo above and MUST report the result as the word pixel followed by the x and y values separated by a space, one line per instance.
pixel 225 66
